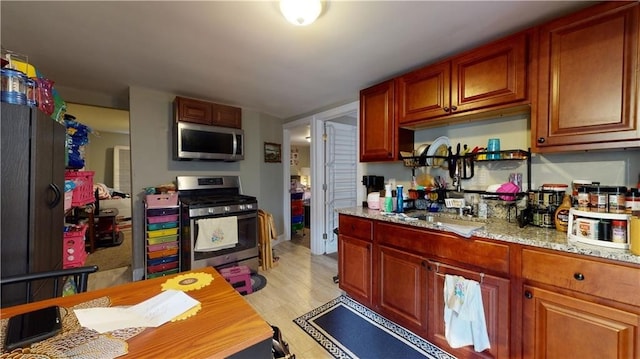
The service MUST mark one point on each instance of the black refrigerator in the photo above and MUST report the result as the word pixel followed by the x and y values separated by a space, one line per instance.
pixel 32 197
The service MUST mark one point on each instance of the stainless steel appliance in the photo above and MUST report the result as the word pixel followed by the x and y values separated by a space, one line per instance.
pixel 203 142
pixel 210 197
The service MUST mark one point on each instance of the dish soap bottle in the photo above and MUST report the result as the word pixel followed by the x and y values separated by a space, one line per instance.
pixel 562 214
pixel 388 200
pixel 400 199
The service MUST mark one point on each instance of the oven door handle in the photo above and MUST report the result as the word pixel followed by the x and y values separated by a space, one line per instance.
pixel 246 216
pixel 240 216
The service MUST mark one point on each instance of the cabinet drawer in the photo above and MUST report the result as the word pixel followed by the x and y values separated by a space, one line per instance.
pixel 356 227
pixel 436 244
pixel 588 276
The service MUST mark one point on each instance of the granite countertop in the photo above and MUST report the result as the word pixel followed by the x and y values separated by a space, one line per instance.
pixel 502 230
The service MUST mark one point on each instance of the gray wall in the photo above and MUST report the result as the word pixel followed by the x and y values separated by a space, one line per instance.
pixel 151 115
pixel 151 118
pixel 99 154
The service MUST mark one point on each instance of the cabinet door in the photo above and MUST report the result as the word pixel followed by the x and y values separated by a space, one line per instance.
pixel 559 326
pixel 491 75
pixel 190 110
pixel 354 268
pixel 33 204
pixel 46 204
pixel 588 80
pixel 377 124
pixel 424 93
pixel 495 299
pixel 401 293
pixel 15 130
pixel 226 116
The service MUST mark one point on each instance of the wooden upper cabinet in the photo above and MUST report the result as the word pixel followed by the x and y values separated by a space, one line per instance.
pixel 189 110
pixel 489 76
pixel 227 116
pixel 588 80
pixel 424 93
pixel 207 113
pixel 380 137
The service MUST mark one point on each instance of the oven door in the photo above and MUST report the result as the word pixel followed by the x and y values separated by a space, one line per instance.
pixel 246 249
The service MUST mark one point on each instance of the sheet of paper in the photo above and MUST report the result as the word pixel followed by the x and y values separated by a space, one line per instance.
pixel 163 307
pixel 152 312
pixel 105 320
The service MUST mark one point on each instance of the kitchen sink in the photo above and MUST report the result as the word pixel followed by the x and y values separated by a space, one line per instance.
pixel 462 225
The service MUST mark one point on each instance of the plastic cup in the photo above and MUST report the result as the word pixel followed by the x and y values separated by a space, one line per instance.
pixel 493 146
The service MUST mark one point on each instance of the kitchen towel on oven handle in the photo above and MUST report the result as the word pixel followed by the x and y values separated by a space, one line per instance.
pixel 216 233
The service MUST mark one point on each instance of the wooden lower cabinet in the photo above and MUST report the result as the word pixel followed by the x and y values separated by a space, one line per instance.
pixel 538 303
pixel 354 268
pixel 401 288
pixel 560 326
pixel 495 299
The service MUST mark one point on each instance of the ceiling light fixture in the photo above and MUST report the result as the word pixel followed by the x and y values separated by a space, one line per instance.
pixel 301 12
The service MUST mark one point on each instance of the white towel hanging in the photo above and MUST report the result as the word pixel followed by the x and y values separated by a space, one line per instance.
pixel 216 233
pixel 464 314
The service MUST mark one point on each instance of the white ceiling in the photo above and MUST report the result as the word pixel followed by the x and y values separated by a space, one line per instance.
pixel 244 53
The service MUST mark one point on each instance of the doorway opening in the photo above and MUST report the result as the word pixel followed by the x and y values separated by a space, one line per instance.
pixel 107 154
pixel 330 185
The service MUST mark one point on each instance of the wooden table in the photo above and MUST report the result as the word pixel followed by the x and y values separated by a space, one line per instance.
pixel 226 326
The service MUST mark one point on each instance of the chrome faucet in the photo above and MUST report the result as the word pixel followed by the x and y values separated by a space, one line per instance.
pixel 457 177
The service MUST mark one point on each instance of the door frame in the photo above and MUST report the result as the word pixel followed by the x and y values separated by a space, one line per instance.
pixel 316 151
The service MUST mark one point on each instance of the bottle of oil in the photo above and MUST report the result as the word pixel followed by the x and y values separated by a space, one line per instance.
pixel 562 214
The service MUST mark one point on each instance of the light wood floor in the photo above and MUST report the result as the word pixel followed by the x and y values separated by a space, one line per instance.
pixel 299 283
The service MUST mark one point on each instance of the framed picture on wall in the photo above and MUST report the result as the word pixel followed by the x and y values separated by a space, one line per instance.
pixel 272 152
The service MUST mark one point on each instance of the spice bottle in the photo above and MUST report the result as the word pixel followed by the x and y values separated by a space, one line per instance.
pixel 619 231
pixel 562 214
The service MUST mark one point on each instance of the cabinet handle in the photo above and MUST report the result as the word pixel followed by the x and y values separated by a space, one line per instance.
pixel 541 140
pixel 56 192
pixel 446 109
pixel 578 276
pixel 528 294
pixel 454 108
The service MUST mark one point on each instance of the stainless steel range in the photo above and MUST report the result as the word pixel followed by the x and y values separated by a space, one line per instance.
pixel 219 223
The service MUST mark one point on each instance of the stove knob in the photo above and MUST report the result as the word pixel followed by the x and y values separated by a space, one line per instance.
pixel 227 209
pixel 211 211
pixel 250 206
pixel 242 207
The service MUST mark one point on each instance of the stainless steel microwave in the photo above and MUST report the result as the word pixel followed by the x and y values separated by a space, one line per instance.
pixel 202 142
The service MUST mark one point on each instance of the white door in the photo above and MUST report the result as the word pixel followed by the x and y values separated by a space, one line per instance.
pixel 340 176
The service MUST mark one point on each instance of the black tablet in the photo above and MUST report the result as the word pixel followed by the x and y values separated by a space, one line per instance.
pixel 27 328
